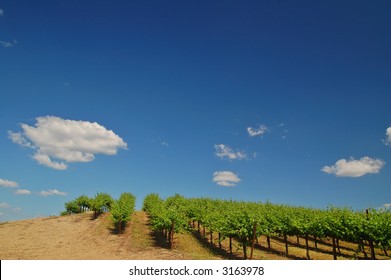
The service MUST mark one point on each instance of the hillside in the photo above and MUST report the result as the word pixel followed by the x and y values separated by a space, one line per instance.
pixel 79 237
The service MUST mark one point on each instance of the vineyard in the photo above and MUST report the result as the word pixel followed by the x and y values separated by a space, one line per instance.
pixel 235 229
pixel 121 210
pixel 224 223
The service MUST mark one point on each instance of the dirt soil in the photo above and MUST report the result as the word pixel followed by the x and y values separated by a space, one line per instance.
pixel 79 237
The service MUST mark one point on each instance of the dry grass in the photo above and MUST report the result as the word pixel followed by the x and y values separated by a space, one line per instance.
pixel 79 237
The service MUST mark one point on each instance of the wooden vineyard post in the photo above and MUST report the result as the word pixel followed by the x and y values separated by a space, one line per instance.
pixel 334 249
pixel 373 257
pixel 362 247
pixel 119 226
pixel 371 246
pixel 306 245
pixel 253 240
pixel 172 236
pixel 286 245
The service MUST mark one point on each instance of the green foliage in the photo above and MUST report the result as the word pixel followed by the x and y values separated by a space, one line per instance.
pixel 122 210
pixel 150 201
pixel 101 203
pixel 71 207
pixel 84 203
pixel 237 219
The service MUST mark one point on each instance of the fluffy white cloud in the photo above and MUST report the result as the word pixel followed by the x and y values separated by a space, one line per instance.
pixel 8 184
pixel 52 192
pixel 22 192
pixel 260 131
pixel 67 141
pixel 225 178
pixel 226 152
pixel 388 134
pixel 4 205
pixel 354 168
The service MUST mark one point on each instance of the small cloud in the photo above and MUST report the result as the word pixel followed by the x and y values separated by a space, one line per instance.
pixel 164 143
pixel 388 134
pixel 260 131
pixel 354 168
pixel 44 159
pixel 225 178
pixel 8 184
pixel 4 205
pixel 226 152
pixel 385 207
pixel 22 192
pixel 52 192
pixel 5 44
pixel 1 12
pixel 160 141
pixel 67 141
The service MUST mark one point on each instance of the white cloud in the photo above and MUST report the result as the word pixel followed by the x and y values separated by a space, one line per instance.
pixel 4 205
pixel 17 137
pixel 22 192
pixel 387 205
pixel 8 184
pixel 52 192
pixel 354 168
pixel 5 44
pixel 260 131
pixel 67 140
pixel 226 152
pixel 388 140
pixel 1 12
pixel 44 159
pixel 225 178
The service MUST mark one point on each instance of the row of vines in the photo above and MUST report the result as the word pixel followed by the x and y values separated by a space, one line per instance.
pixel 245 222
pixel 121 209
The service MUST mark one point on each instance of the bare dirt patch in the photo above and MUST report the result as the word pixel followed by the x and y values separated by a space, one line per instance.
pixel 79 237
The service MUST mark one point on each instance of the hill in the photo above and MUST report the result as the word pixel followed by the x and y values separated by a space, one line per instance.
pixel 80 237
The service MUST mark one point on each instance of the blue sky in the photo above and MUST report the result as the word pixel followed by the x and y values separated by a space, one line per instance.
pixel 286 101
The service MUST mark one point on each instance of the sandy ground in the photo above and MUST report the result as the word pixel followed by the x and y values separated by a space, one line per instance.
pixel 78 237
